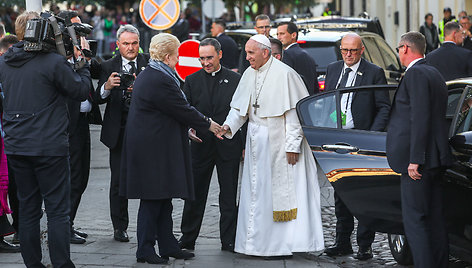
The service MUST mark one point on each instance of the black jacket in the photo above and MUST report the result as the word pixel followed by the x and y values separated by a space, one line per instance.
pixel 451 60
pixel 230 50
pixel 156 153
pixel 112 119
pixel 297 58
pixel 214 102
pixel 369 109
pixel 36 87
pixel 417 131
pixel 430 46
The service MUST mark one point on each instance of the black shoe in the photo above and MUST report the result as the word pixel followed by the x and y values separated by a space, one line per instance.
pixel 121 236
pixel 16 239
pixel 338 250
pixel 153 260
pixel 189 246
pixel 182 254
pixel 6 247
pixel 75 239
pixel 277 258
pixel 227 247
pixel 81 234
pixel 364 253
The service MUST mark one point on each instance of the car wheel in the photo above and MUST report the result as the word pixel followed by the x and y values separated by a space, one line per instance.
pixel 400 249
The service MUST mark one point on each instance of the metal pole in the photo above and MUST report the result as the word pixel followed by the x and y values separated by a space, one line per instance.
pixel 203 21
pixel 34 5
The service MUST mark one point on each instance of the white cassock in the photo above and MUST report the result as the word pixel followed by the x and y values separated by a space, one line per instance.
pixel 273 130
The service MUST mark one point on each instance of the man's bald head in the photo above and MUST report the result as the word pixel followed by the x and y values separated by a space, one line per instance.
pixel 351 48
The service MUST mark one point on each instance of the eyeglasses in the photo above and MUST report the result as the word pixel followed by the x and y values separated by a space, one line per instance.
pixel 400 46
pixel 352 50
pixel 209 58
pixel 264 27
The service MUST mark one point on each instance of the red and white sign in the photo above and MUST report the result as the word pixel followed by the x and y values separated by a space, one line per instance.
pixel 188 59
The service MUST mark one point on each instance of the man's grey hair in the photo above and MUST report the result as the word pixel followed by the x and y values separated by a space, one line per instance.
pixel 415 40
pixel 126 28
pixel 2 29
pixel 211 42
pixel 451 27
pixel 262 17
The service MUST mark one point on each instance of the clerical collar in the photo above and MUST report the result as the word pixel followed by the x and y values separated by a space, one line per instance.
pixel 353 67
pixel 215 72
pixel 266 65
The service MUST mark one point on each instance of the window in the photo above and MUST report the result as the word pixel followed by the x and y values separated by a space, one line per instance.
pixel 321 112
pixel 374 52
pixel 389 56
pixel 323 53
pixel 464 119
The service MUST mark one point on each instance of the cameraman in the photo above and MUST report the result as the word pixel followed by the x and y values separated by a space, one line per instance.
pixel 118 96
pixel 35 120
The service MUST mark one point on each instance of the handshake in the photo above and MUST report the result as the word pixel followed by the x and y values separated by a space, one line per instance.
pixel 218 130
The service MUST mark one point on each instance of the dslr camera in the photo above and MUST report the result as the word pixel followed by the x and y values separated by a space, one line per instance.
pixel 50 33
pixel 126 81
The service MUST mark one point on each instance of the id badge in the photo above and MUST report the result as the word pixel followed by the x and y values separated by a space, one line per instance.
pixel 343 118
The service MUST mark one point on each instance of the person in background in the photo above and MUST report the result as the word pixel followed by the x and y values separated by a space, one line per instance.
pixel 466 28
pixel 277 50
pixel 229 47
pixel 430 32
pixel 262 26
pixel 447 18
pixel 181 28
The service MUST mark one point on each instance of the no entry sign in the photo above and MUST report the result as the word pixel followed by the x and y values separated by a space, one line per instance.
pixel 188 59
pixel 159 14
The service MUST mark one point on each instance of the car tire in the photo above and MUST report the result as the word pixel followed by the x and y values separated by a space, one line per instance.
pixel 400 249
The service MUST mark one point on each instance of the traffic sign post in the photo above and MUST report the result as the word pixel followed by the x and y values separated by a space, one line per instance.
pixel 159 14
pixel 188 59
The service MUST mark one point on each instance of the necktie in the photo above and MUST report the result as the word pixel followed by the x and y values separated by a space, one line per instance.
pixel 132 69
pixel 344 78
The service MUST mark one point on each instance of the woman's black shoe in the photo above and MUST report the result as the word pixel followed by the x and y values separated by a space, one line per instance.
pixel 153 260
pixel 182 254
pixel 81 234
pixel 6 247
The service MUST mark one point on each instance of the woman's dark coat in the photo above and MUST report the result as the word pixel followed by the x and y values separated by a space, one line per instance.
pixel 156 160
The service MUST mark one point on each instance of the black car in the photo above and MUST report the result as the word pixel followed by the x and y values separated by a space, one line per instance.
pixel 355 163
pixel 323 46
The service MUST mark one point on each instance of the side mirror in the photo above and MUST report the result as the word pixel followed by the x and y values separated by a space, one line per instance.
pixel 462 142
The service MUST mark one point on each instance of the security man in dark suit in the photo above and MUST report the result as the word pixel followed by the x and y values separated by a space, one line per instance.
pixel 229 47
pixel 417 147
pixel 362 110
pixel 296 57
pixel 210 90
pixel 118 98
pixel 452 60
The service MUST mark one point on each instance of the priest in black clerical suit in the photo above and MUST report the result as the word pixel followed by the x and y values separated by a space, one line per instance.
pixel 210 90
pixel 367 110
pixel 116 113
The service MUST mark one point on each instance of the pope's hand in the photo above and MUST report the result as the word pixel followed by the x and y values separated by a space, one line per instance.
pixel 214 127
pixel 292 158
pixel 192 134
pixel 223 131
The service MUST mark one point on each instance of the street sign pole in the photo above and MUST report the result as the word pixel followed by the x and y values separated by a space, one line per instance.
pixel 203 20
pixel 34 5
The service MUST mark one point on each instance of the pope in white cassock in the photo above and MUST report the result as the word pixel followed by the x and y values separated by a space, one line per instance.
pixel 279 209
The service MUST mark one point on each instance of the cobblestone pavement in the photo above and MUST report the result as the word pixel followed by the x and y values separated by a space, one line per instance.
pixel 102 251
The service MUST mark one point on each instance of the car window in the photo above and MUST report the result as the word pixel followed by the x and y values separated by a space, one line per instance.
pixel 464 119
pixel 389 57
pixel 323 53
pixel 321 112
pixel 374 52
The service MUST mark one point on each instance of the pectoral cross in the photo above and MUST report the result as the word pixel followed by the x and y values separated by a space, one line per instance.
pixel 255 105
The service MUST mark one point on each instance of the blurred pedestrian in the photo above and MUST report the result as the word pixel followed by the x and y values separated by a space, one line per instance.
pixel 430 32
pixel 181 28
pixel 296 57
pixel 229 47
pixel 262 25
pixel 276 47
pixel 279 208
pixel 452 60
pixel 156 155
pixel 447 18
pixel 417 147
pixel 210 91
pixel 466 28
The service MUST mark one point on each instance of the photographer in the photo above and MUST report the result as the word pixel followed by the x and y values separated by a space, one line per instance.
pixel 115 88
pixel 35 121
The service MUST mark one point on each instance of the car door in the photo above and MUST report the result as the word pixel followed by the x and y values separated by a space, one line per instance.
pixel 355 161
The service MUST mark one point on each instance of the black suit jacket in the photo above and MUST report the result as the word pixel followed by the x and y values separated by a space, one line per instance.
pixel 417 131
pixel 214 103
pixel 369 109
pixel 452 61
pixel 297 58
pixel 113 111
pixel 230 50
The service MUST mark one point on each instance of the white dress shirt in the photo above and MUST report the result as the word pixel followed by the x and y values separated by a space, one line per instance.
pixel 346 99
